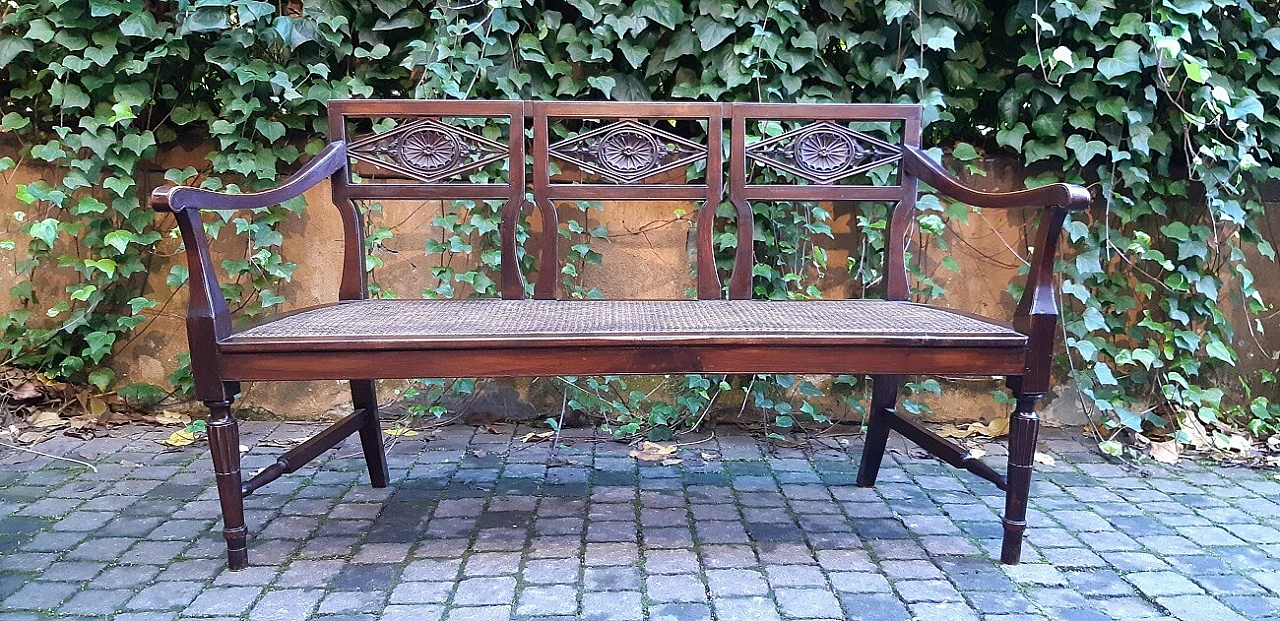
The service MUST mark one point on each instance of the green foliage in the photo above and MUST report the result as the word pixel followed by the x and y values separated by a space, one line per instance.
pixel 1166 109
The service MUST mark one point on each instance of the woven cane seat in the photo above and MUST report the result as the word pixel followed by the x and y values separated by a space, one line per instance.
pixel 520 322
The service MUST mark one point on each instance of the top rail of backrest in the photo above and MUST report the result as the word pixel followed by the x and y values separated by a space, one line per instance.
pixel 429 155
pixel 626 150
pixel 815 160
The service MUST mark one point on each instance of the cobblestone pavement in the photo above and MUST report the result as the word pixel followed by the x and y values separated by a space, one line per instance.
pixel 482 526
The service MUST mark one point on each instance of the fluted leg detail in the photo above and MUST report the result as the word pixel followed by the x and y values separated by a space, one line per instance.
pixel 224 445
pixel 1023 429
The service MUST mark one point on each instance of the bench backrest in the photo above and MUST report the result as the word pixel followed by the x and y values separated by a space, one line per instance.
pixel 601 151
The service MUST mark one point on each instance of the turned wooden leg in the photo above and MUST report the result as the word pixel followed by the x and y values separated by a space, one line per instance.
pixel 364 397
pixel 224 444
pixel 884 398
pixel 1023 428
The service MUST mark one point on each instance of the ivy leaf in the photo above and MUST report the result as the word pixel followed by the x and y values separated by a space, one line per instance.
pixel 1085 151
pixel 588 10
pixel 271 130
pixel 178 276
pixel 964 152
pixel 1219 350
pixel 101 378
pixel 1013 136
pixel 140 24
pixel 711 32
pixel 665 12
pixel 140 304
pixel 45 230
pixel 1272 35
pixel 118 239
pixel 1093 320
pixel 40 30
pixel 1125 59
pixel 895 10
pixel 1104 374
pixel 99 344
pixel 204 19
pixel 10 47
pixel 269 298
pixel 119 185
pixel 938 36
pixel 1176 231
pixel 603 83
pixel 139 142
pixel 13 121
pixel 106 266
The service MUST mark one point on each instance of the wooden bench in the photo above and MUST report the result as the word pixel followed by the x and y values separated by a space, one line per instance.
pixel 629 151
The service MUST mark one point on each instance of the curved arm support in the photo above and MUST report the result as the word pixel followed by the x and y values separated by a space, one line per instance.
pixel 918 163
pixel 208 317
pixel 176 198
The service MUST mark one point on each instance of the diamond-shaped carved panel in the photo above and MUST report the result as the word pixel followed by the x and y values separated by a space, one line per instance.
pixel 427 150
pixel 823 152
pixel 627 151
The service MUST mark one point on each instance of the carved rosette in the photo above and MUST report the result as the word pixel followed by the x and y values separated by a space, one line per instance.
pixel 427 150
pixel 627 151
pixel 823 152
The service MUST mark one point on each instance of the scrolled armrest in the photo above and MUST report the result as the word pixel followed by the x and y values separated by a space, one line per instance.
pixel 176 198
pixel 917 162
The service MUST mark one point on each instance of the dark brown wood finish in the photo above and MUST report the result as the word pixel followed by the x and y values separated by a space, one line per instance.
pixel 628 153
pixel 428 155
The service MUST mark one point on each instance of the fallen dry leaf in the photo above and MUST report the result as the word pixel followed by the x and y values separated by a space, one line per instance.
pixel 542 436
pixel 1166 452
pixel 994 429
pixel 480 454
pixel 1045 459
pixel 402 432
pixel 709 456
pixel 168 417
pixel 25 392
pixel 672 462
pixel 98 407
pixel 654 452
pixel 282 442
pixel 32 438
pixel 186 436
pixel 45 419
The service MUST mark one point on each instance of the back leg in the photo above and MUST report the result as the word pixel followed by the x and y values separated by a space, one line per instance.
pixel 364 397
pixel 884 400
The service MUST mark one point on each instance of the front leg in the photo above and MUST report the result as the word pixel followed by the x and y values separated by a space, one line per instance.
pixel 224 445
pixel 1023 429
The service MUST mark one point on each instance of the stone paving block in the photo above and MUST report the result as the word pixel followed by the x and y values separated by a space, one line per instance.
pixel 547 600
pixel 615 606
pixel 675 588
pixel 165 596
pixel 880 607
pixel 39 596
pixel 1198 608
pixel 414 612
pixel 1158 583
pixel 286 605
pixel 229 601
pixel 755 608
pixel 481 591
